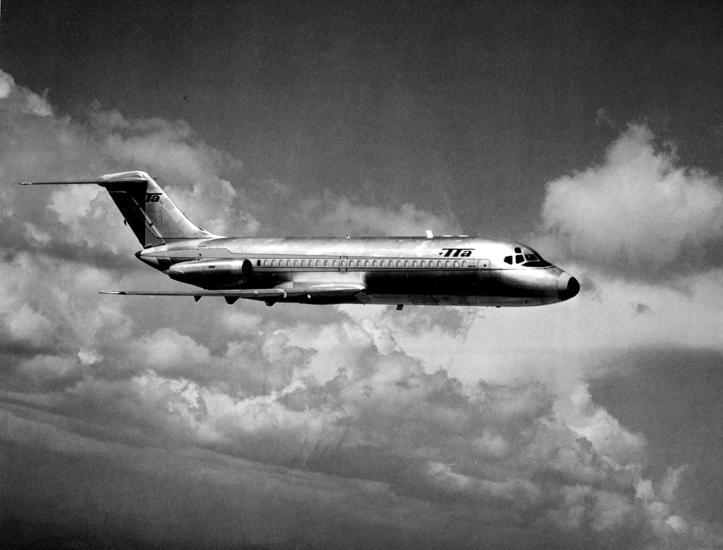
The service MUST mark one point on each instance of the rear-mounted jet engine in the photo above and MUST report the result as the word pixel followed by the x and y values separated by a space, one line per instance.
pixel 212 273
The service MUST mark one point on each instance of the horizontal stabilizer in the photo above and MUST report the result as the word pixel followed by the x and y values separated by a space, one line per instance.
pixel 146 208
pixel 76 182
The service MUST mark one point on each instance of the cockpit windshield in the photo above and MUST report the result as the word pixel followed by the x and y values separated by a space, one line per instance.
pixel 526 258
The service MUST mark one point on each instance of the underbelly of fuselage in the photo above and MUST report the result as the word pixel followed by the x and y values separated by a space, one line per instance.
pixel 463 288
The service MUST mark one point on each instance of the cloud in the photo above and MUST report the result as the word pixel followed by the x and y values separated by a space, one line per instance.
pixel 551 460
pixel 38 145
pixel 639 211
pixel 350 426
pixel 510 451
pixel 20 99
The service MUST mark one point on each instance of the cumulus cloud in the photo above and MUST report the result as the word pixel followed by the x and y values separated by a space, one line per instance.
pixel 639 210
pixel 38 145
pixel 20 99
pixel 492 451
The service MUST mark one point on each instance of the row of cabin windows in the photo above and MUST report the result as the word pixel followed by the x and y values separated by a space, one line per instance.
pixel 354 263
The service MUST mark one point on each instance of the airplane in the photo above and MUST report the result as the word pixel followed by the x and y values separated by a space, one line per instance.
pixel 430 270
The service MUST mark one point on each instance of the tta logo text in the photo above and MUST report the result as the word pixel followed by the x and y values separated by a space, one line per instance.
pixel 153 197
pixel 455 252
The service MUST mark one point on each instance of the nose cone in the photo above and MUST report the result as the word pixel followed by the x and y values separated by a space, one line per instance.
pixel 567 286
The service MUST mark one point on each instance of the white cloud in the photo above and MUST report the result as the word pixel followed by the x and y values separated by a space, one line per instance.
pixel 671 482
pixel 49 147
pixel 385 420
pixel 7 83
pixel 637 211
pixel 22 99
pixel 27 324
pixel 605 433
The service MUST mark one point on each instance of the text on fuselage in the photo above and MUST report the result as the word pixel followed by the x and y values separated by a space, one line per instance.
pixel 456 252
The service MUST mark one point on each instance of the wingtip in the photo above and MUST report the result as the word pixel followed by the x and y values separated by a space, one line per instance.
pixel 114 292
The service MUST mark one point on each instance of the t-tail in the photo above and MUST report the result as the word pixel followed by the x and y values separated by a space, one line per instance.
pixel 149 212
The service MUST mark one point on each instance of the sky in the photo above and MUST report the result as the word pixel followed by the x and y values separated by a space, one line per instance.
pixel 590 132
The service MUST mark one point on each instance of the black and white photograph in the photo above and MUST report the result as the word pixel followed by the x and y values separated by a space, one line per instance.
pixel 361 274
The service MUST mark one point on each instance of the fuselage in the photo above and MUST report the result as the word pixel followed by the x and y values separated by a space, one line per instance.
pixel 399 270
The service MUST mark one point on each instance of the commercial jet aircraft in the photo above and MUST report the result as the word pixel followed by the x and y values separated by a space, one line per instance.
pixel 447 270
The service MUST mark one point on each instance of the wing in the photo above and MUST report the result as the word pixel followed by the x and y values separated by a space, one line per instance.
pixel 305 294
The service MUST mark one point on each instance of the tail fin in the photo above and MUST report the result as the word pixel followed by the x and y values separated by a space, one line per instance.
pixel 150 213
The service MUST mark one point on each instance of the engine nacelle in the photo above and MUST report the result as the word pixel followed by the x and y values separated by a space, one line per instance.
pixel 212 274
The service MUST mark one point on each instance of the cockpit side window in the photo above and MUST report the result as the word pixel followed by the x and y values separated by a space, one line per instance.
pixel 526 258
pixel 535 260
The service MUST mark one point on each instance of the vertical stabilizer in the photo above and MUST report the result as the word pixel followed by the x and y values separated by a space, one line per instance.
pixel 149 212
